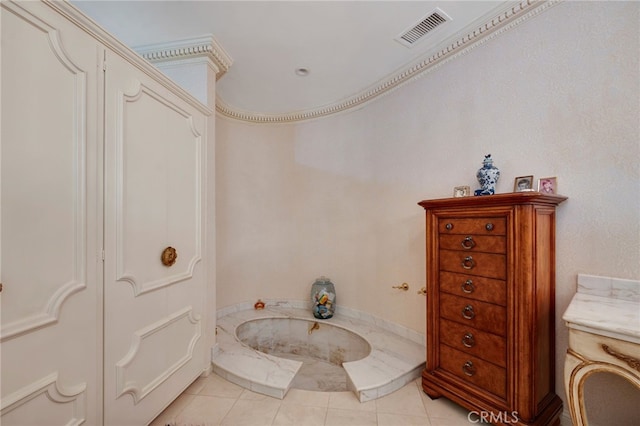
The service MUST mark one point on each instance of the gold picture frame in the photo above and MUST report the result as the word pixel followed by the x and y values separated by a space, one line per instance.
pixel 548 185
pixel 523 184
pixel 461 191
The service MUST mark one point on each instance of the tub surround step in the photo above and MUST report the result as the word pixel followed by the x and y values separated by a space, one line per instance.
pixel 251 369
pixel 393 361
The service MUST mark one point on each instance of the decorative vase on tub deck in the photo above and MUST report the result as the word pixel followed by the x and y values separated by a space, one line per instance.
pixel 488 176
pixel 323 298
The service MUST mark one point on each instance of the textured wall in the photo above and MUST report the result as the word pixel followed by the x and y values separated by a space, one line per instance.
pixel 557 95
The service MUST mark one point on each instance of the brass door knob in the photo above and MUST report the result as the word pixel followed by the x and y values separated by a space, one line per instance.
pixel 169 256
pixel 422 291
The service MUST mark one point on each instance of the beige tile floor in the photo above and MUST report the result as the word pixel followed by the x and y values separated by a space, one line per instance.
pixel 212 401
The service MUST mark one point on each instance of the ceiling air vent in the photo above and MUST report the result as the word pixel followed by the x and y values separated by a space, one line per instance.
pixel 415 33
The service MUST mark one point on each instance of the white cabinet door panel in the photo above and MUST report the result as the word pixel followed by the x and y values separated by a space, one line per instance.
pixel 153 200
pixel 49 238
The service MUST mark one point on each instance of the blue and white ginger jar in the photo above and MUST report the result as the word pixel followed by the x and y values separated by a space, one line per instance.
pixel 488 176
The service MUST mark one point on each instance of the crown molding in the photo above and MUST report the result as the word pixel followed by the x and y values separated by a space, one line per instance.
pixel 499 24
pixel 91 27
pixel 199 47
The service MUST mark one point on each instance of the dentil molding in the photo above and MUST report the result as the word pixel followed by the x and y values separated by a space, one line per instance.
pixel 201 47
pixel 207 47
pixel 506 20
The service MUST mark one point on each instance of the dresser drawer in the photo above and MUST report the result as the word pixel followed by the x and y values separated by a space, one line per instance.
pixel 473 243
pixel 482 374
pixel 474 342
pixel 476 226
pixel 478 288
pixel 482 264
pixel 480 315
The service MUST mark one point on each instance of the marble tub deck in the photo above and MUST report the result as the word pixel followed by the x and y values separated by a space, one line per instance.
pixel 394 361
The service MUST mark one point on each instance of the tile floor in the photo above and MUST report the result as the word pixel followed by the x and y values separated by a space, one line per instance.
pixel 212 401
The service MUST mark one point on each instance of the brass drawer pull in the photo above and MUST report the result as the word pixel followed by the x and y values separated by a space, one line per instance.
pixel 468 368
pixel 468 286
pixel 468 340
pixel 468 313
pixel 468 243
pixel 632 362
pixel 489 227
pixel 468 263
pixel 449 226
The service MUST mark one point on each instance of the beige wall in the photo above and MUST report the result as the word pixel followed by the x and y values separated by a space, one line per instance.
pixel 557 95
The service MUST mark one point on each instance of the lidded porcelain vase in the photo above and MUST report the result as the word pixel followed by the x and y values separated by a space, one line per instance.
pixel 323 298
pixel 488 176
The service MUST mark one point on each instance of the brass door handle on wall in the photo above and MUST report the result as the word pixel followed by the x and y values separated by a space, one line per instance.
pixel 403 286
pixel 169 256
pixel 422 291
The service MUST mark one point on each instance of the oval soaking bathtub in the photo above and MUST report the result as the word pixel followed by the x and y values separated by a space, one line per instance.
pixel 320 346
pixel 258 349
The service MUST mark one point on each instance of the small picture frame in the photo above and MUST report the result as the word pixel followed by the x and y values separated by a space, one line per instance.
pixel 461 191
pixel 523 184
pixel 548 185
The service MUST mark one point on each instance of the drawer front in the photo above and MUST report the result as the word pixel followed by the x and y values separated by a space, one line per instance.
pixel 472 341
pixel 474 370
pixel 474 243
pixel 476 226
pixel 482 264
pixel 478 288
pixel 480 315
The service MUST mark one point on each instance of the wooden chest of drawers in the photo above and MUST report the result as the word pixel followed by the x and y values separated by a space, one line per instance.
pixel 491 306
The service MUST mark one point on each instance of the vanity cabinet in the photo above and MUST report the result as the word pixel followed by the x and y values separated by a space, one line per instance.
pixel 491 306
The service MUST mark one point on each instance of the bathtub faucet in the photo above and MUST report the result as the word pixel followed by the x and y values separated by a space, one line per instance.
pixel 315 326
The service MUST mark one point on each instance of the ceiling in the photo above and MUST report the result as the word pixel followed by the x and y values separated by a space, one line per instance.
pixel 349 48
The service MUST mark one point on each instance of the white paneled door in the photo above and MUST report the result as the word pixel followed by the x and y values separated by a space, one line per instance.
pixel 154 285
pixel 50 267
pixel 101 226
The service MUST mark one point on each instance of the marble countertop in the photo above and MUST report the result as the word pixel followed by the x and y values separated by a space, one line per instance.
pixel 606 306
